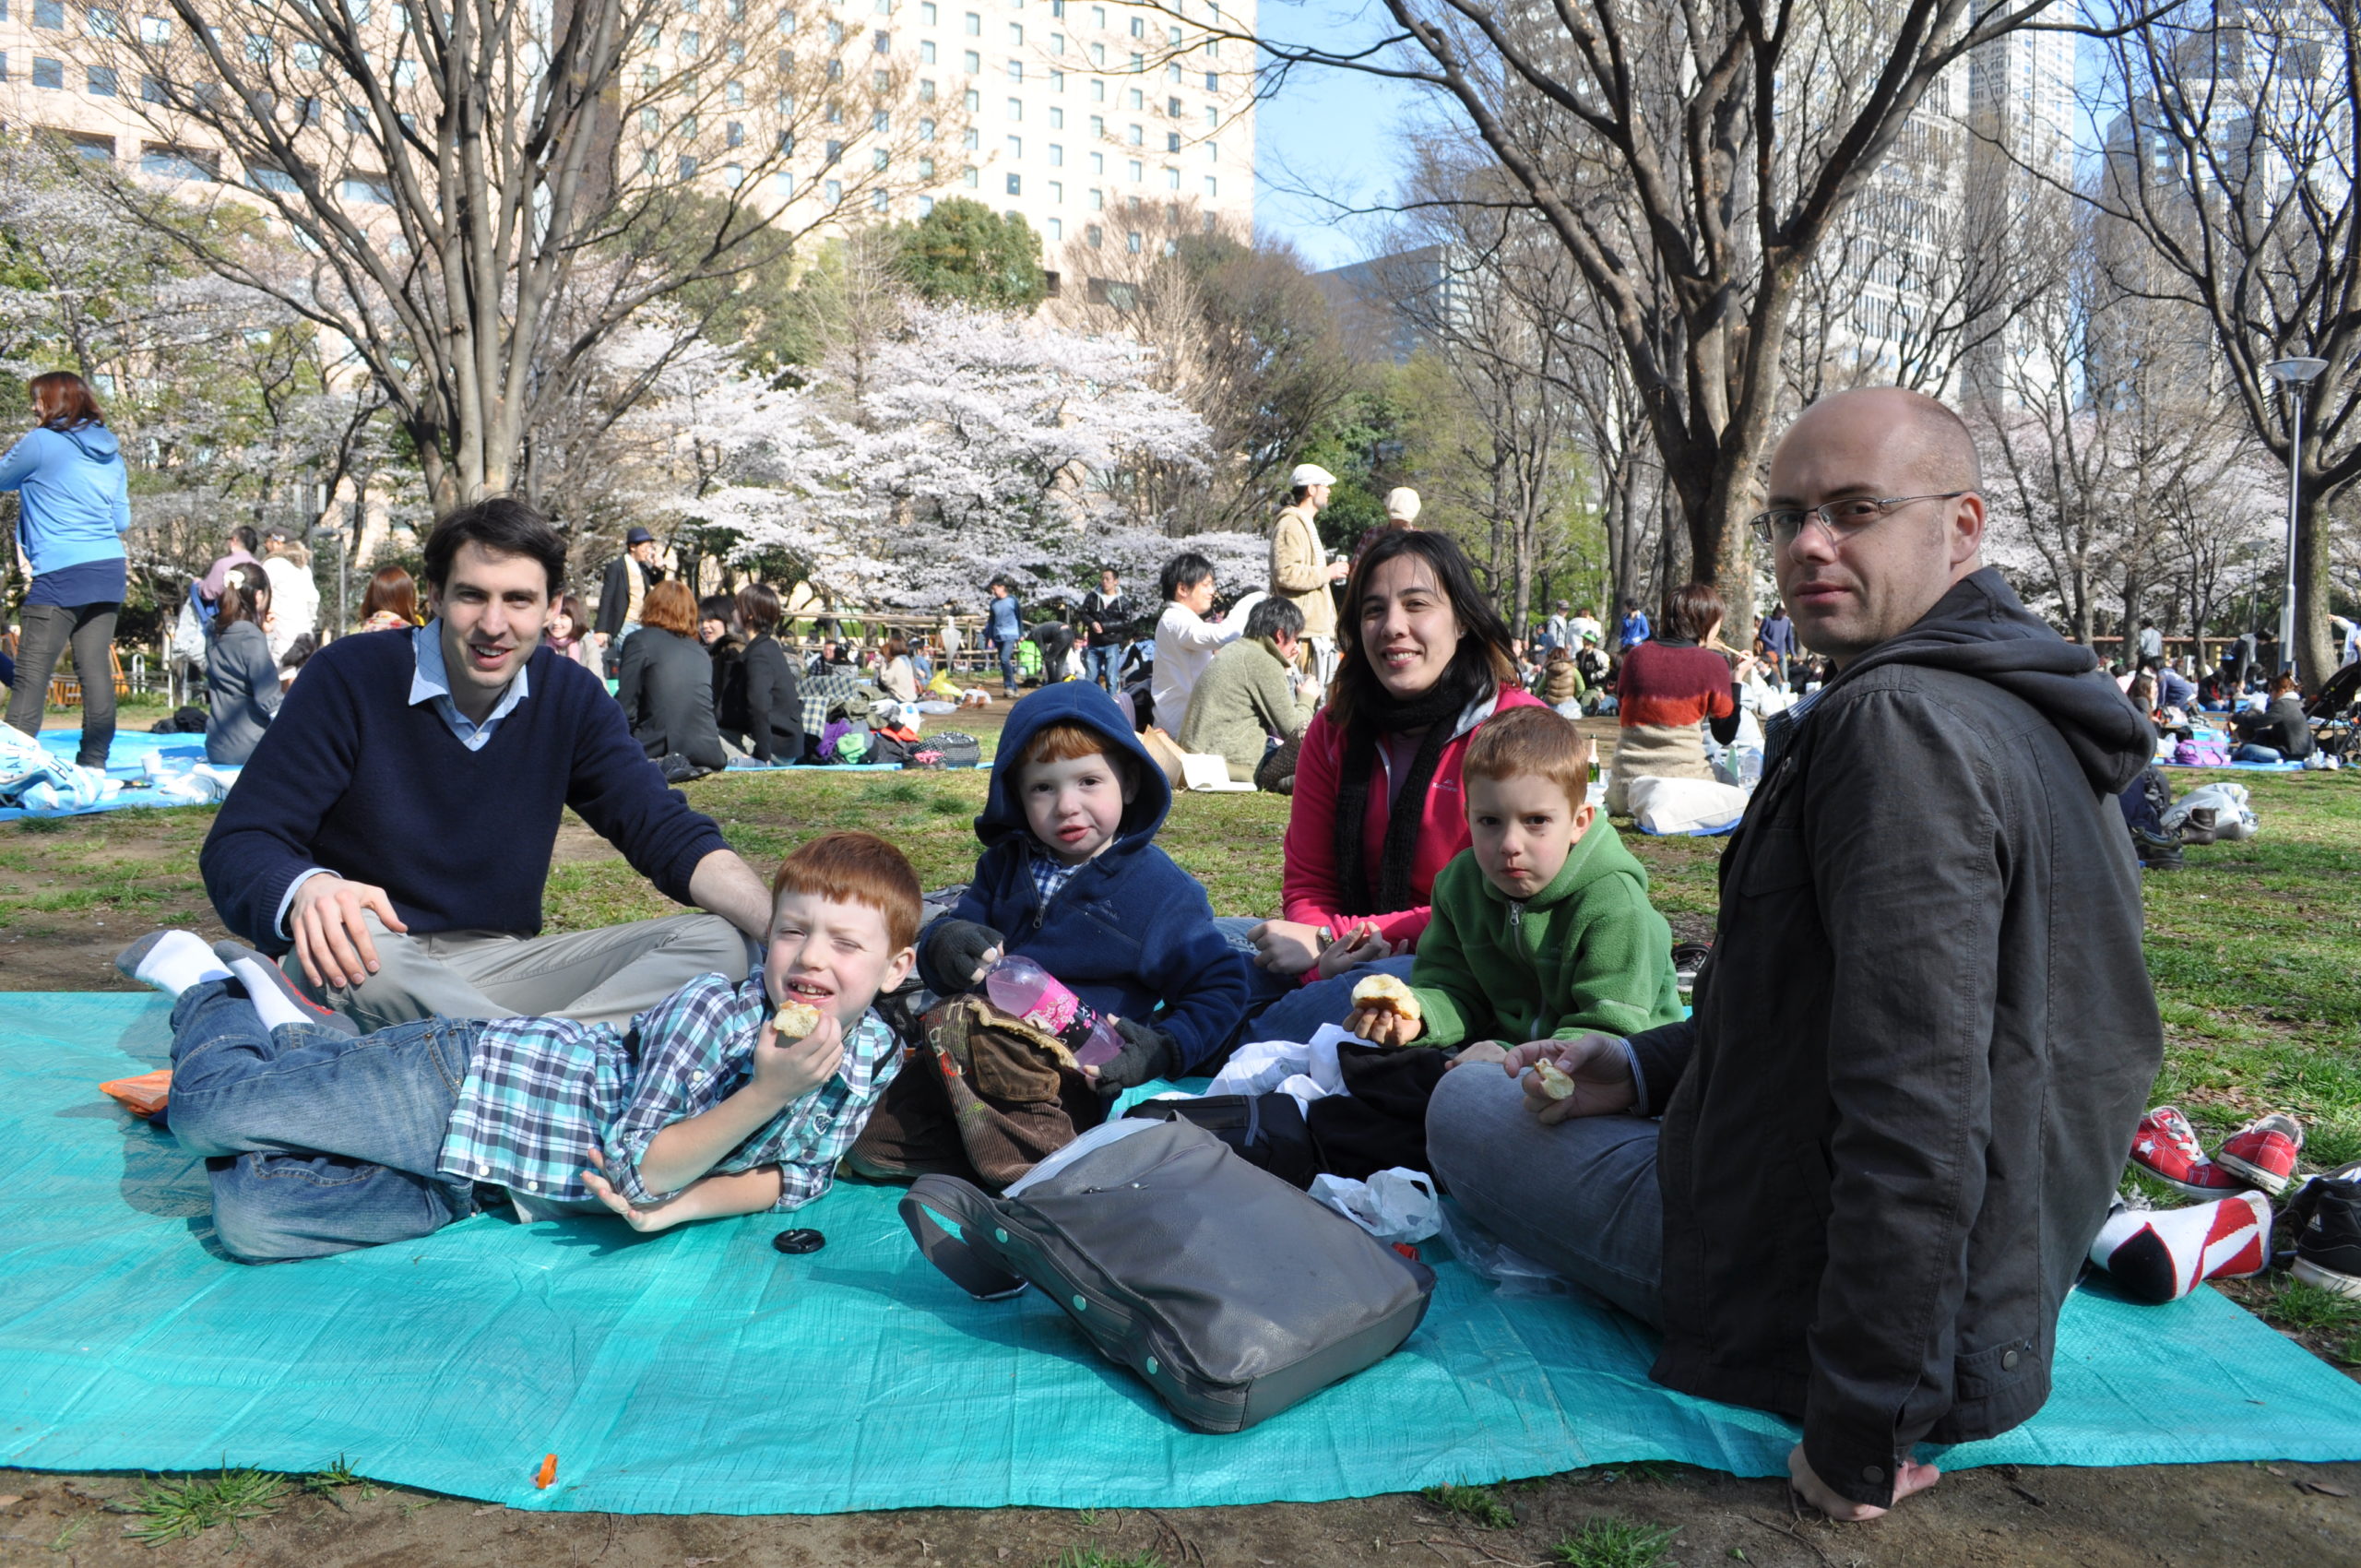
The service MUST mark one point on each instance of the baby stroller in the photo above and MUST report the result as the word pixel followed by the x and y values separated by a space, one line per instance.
pixel 2332 714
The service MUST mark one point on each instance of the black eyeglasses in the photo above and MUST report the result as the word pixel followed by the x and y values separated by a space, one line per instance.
pixel 1843 519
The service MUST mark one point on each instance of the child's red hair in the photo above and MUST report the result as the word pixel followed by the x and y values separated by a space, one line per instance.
pixel 856 868
pixel 1522 741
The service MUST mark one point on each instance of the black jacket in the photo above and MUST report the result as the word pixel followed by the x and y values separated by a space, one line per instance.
pixel 666 687
pixel 729 655
pixel 1115 614
pixel 614 593
pixel 774 704
pixel 2281 726
pixel 1895 1120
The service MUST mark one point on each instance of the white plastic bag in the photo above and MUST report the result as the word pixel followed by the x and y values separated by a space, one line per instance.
pixel 1393 1206
pixel 1267 1064
pixel 1685 805
pixel 2228 801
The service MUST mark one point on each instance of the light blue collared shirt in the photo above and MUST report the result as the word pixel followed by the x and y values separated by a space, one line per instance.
pixel 430 682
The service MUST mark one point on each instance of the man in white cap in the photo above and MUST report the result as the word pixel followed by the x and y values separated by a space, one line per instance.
pixel 1300 568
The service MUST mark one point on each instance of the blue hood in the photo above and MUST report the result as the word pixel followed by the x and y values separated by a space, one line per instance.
pixel 95 441
pixel 1073 702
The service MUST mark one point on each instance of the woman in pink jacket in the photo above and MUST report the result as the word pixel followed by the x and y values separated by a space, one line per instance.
pixel 1378 811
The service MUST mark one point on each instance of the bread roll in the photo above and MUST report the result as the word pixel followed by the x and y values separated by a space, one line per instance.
pixel 1385 994
pixel 795 1020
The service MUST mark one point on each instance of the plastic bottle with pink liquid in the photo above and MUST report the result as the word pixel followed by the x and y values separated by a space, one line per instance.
pixel 1020 987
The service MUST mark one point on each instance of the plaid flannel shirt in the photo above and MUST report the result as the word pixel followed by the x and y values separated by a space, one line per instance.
pixel 1049 874
pixel 829 689
pixel 542 1092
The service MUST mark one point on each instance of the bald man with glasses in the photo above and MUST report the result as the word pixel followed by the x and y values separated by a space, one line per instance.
pixel 1856 1186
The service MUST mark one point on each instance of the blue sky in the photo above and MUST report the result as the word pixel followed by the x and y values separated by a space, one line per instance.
pixel 1336 133
pixel 1339 136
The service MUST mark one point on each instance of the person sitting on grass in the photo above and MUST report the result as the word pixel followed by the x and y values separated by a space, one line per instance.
pixel 666 683
pixel 1542 929
pixel 320 1139
pixel 242 689
pixel 392 832
pixel 1858 1186
pixel 2281 732
pixel 1072 877
pixel 1249 697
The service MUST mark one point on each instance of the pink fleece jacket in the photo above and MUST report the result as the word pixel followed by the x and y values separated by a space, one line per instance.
pixel 1308 887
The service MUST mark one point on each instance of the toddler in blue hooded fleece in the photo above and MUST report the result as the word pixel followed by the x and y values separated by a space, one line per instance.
pixel 1071 878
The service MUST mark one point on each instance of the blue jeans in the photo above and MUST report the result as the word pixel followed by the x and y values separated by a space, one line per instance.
pixel 316 1142
pixel 2249 751
pixel 1278 1007
pixel 1580 1198
pixel 1007 646
pixel 1104 665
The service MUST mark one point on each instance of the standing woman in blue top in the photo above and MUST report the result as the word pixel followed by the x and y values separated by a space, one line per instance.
pixel 76 504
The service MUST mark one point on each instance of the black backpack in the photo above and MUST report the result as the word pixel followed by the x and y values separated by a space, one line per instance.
pixel 951 748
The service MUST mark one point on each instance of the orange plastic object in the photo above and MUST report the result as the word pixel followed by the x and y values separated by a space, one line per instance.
pixel 549 1471
pixel 142 1095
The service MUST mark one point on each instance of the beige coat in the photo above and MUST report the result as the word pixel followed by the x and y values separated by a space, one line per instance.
pixel 1300 570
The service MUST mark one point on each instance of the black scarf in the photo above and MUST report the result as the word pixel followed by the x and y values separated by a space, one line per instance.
pixel 1437 711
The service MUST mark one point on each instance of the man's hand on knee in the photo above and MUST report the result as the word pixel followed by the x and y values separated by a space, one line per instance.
pixel 1588 1075
pixel 1912 1476
pixel 331 938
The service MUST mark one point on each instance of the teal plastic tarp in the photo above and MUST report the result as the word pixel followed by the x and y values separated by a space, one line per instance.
pixel 700 1371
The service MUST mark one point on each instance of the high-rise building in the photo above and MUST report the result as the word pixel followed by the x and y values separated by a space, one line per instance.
pixel 1076 115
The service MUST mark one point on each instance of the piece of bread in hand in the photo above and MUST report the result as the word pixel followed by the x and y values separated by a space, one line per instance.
pixel 1554 1082
pixel 1387 993
pixel 795 1020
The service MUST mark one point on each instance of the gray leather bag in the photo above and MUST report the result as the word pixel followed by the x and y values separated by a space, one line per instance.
pixel 1232 1293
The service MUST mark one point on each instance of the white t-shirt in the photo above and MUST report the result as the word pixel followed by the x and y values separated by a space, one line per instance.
pixel 1580 626
pixel 294 603
pixel 1185 643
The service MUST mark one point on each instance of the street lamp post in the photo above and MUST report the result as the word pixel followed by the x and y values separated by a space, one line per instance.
pixel 2293 377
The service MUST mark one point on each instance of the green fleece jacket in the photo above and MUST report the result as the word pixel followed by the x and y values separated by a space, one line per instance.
pixel 1244 695
pixel 1586 953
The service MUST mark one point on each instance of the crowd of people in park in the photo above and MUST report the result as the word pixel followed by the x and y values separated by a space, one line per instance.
pixel 1851 1183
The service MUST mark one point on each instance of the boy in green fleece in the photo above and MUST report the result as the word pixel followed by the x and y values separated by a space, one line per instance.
pixel 1543 929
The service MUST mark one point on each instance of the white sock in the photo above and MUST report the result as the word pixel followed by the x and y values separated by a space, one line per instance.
pixel 178 960
pixel 2159 1255
pixel 266 989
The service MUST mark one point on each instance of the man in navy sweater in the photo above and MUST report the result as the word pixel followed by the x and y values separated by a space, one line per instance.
pixel 392 832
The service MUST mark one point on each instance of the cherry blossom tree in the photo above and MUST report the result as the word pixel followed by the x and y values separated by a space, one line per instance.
pixel 978 445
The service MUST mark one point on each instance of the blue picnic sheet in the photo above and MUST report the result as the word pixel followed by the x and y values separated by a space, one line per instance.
pixel 700 1371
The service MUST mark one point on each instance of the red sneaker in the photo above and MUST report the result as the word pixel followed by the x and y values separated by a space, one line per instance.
pixel 2264 1152
pixel 2165 1146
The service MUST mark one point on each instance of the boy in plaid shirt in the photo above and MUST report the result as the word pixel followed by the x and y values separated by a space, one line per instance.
pixel 319 1139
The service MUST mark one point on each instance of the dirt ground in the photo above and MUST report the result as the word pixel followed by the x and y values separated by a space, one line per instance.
pixel 2205 1516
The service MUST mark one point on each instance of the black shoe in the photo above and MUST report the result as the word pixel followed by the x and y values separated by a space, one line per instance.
pixel 2157 852
pixel 2202 827
pixel 2327 1219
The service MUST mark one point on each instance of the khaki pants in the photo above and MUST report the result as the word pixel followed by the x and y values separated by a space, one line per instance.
pixel 598 977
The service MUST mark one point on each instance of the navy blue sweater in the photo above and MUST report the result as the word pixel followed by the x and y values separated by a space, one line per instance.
pixel 353 778
pixel 1130 933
